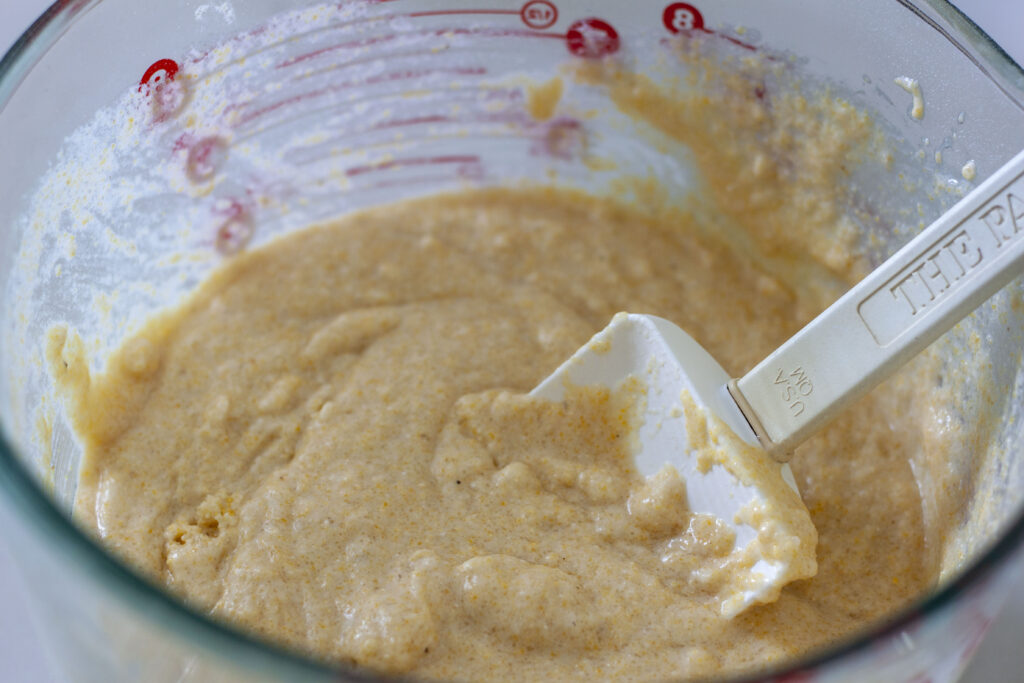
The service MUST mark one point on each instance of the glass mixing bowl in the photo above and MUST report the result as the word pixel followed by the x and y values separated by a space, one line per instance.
pixel 144 140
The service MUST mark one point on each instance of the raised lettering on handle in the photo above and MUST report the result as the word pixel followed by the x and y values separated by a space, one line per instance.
pixel 945 265
pixel 891 315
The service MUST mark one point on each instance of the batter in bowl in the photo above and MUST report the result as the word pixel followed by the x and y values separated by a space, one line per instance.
pixel 330 442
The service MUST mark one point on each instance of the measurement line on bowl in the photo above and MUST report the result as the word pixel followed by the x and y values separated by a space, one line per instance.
pixel 339 66
pixel 433 51
pixel 328 197
pixel 409 74
pixel 484 31
pixel 295 156
pixel 390 144
pixel 416 180
pixel 674 38
pixel 352 44
pixel 417 53
pixel 291 39
pixel 354 23
pixel 494 93
pixel 412 161
pixel 445 12
pixel 241 105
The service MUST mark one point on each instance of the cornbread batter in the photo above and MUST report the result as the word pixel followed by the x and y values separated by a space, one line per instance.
pixel 330 442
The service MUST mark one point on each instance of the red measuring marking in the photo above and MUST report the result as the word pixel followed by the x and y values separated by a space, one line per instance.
pixel 505 32
pixel 235 227
pixel 205 158
pixel 475 99
pixel 442 12
pixel 413 161
pixel 385 78
pixel 736 41
pixel 417 180
pixel 518 118
pixel 484 31
pixel 458 175
pixel 539 14
pixel 258 49
pixel 362 42
pixel 592 38
pixel 487 117
pixel 682 16
pixel 473 171
pixel 233 235
pixel 414 121
pixel 536 14
pixel 184 141
pixel 167 67
pixel 563 138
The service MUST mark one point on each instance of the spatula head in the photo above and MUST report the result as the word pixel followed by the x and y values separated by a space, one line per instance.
pixel 688 420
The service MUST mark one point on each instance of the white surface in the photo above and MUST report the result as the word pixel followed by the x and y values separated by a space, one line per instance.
pixel 1000 659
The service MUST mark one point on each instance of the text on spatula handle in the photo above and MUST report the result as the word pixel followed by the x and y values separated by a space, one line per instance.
pixel 982 237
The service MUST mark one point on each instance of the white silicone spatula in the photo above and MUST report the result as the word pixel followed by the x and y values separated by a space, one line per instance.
pixel 887 318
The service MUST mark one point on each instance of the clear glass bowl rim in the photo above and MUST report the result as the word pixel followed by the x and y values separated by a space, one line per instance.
pixel 27 497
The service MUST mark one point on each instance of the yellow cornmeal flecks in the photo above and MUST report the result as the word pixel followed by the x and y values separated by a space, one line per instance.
pixel 766 163
pixel 330 443
pixel 298 497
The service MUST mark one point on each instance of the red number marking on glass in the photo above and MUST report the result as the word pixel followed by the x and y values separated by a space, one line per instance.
pixel 169 96
pixel 184 142
pixel 539 14
pixel 235 226
pixel 680 16
pixel 205 158
pixel 592 38
pixel 169 99
pixel 158 72
pixel 563 139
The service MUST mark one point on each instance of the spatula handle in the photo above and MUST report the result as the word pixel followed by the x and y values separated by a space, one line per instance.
pixel 903 306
